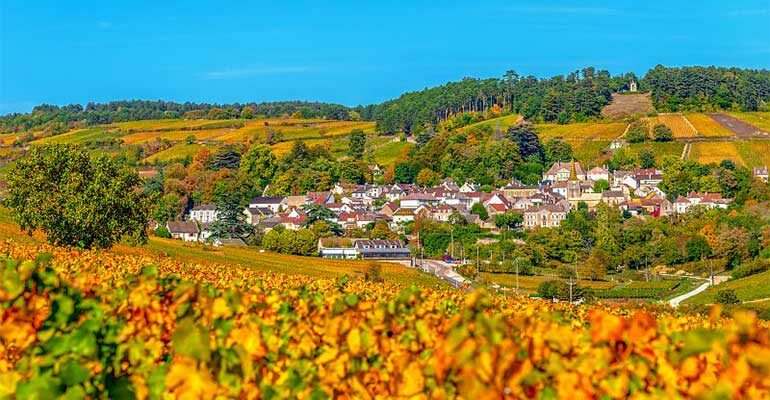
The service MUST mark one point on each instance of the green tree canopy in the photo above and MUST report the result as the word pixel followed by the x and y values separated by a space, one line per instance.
pixel 77 198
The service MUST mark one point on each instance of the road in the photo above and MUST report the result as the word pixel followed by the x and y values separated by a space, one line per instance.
pixel 678 299
pixel 444 271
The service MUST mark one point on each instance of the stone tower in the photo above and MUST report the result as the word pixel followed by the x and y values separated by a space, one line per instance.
pixel 632 86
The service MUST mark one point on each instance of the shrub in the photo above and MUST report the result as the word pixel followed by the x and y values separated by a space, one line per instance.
pixel 637 133
pixel 727 296
pixel 162 232
pixel 751 268
pixel 662 133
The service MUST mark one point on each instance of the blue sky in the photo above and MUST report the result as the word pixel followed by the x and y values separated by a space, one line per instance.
pixel 350 52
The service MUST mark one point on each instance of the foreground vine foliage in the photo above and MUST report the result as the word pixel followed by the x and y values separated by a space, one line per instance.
pixel 80 324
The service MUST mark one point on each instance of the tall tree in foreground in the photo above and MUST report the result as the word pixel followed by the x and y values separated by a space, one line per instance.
pixel 231 221
pixel 77 198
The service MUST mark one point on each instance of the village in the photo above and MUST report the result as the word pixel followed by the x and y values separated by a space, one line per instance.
pixel 565 186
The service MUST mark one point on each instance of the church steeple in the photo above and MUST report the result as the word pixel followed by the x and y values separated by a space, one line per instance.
pixel 573 171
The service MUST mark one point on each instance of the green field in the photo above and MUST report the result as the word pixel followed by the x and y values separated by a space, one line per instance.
pixel 660 149
pixel 755 153
pixel 389 153
pixel 588 151
pixel 502 123
pixel 752 287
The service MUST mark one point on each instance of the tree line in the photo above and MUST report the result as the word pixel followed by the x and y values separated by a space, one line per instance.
pixel 55 119
pixel 708 88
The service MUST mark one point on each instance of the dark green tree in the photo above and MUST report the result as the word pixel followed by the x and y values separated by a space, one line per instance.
pixel 662 133
pixel 231 221
pixel 77 198
pixel 356 144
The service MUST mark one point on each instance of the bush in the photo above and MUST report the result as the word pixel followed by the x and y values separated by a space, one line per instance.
pixel 549 289
pixel 662 133
pixel 637 133
pixel 727 296
pixel 162 232
pixel 751 268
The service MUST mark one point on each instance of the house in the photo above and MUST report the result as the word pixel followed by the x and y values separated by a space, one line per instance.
pixel 518 189
pixel 337 248
pixel 468 187
pixel 389 209
pixel 256 214
pixel 613 197
pixel 598 173
pixel 292 219
pixel 653 206
pixel 296 201
pixel 415 200
pixel 549 215
pixel 761 173
pixel 382 249
pixel 403 215
pixel 367 249
pixel 320 197
pixel 204 213
pixel 275 204
pixel 706 200
pixel 184 230
pixel 562 171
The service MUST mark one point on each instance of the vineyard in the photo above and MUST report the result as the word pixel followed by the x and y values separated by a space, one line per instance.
pixel 707 127
pixel 715 152
pixel 584 130
pixel 678 125
pixel 90 324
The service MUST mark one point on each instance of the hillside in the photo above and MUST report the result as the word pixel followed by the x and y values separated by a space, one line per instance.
pixel 170 139
pixel 628 104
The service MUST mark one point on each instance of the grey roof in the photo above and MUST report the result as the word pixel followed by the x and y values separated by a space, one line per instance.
pixel 267 200
pixel 182 227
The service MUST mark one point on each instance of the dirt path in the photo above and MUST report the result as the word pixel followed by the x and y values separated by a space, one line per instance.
pixel 741 129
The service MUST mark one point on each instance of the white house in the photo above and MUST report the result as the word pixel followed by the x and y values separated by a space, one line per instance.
pixel 204 213
pixel 275 204
pixel 184 230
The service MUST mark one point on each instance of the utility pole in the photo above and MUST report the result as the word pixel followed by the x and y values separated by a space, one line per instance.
pixel 517 275
pixel 571 283
pixel 711 266
pixel 452 235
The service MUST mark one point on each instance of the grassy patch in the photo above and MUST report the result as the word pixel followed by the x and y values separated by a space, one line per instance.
pixel 588 151
pixel 760 120
pixel 502 123
pixel 80 136
pixel 749 288
pixel 660 149
pixel 390 153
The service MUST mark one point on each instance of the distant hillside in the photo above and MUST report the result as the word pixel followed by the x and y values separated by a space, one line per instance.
pixel 56 119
